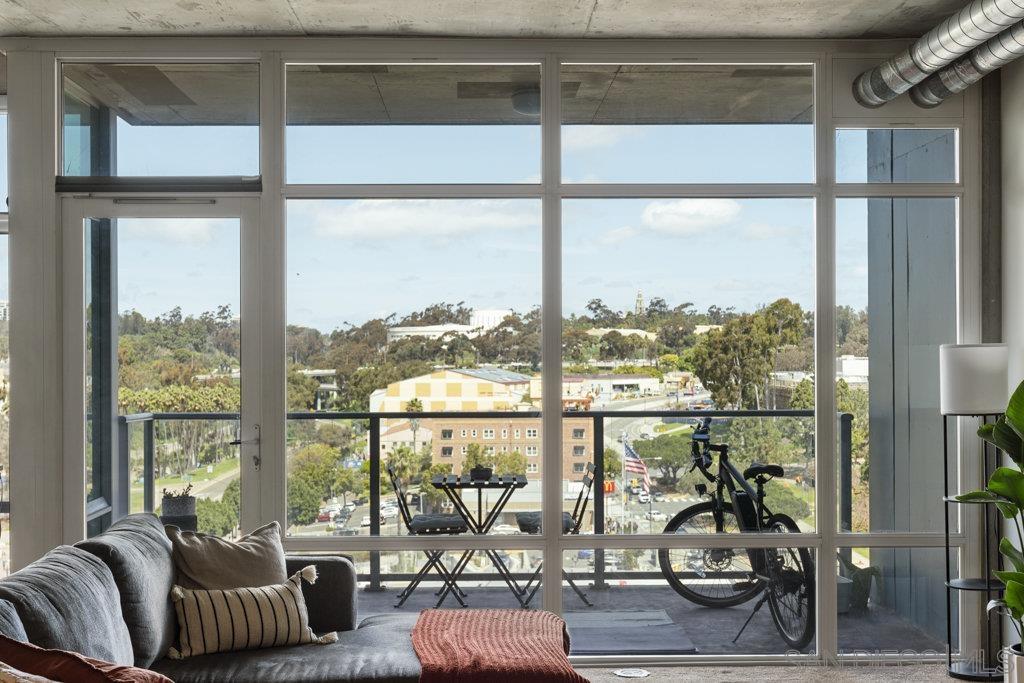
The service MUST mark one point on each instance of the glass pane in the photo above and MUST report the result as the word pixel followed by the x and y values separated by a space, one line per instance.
pixel 480 583
pixel 645 601
pixel 896 155
pixel 385 123
pixel 894 598
pixel 4 203
pixel 5 406
pixel 161 119
pixel 394 311
pixel 163 337
pixel 896 297
pixel 687 123
pixel 718 317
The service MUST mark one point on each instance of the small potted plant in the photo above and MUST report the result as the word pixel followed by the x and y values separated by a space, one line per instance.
pixel 1005 490
pixel 481 472
pixel 178 503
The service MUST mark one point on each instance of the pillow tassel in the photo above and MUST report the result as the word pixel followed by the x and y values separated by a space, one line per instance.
pixel 174 654
pixel 177 594
pixel 309 573
pixel 326 639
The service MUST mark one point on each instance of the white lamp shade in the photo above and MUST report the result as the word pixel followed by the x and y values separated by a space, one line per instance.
pixel 972 378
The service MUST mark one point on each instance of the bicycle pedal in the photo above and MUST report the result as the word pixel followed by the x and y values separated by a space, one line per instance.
pixel 741 586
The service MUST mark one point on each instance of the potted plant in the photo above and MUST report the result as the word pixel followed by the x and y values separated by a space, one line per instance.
pixel 178 503
pixel 1005 489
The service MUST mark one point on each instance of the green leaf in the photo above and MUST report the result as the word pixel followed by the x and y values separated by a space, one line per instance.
pixel 1007 577
pixel 1014 598
pixel 1002 436
pixel 1011 553
pixel 977 496
pixel 1008 483
pixel 1009 510
pixel 1015 411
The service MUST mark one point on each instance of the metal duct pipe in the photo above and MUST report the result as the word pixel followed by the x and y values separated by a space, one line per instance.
pixel 994 53
pixel 953 38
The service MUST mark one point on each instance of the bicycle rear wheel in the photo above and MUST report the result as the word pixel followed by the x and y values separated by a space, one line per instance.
pixel 790 573
pixel 712 577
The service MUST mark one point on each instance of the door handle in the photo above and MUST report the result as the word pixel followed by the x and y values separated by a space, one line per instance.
pixel 256 460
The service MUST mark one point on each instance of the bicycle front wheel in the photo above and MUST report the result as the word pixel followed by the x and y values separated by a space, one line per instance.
pixel 790 573
pixel 712 577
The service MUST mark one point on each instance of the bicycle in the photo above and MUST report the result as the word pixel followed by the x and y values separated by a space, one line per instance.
pixel 726 577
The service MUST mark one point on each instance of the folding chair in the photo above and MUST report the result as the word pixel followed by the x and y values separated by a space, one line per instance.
pixel 530 523
pixel 429 525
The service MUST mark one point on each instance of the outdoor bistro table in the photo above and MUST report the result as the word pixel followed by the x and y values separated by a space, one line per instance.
pixel 480 524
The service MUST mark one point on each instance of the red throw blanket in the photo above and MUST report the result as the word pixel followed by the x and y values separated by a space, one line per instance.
pixel 492 646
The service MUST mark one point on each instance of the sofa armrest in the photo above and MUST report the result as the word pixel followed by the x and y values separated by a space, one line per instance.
pixel 331 601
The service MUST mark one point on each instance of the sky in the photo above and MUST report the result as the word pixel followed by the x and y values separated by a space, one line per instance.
pixel 350 261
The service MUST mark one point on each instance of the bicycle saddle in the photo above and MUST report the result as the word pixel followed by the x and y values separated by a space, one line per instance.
pixel 768 470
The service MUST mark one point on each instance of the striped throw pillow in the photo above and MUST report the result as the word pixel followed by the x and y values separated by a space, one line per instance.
pixel 244 618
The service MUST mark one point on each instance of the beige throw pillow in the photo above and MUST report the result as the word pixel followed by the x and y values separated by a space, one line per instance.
pixel 210 562
pixel 244 618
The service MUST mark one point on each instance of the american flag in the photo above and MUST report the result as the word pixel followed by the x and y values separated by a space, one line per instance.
pixel 635 464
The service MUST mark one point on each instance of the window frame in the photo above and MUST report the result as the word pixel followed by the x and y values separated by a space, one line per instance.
pixel 273 54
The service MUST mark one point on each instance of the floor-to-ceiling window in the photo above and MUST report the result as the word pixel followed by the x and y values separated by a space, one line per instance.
pixel 555 267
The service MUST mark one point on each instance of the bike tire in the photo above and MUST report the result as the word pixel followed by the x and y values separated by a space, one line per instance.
pixel 792 584
pixel 692 591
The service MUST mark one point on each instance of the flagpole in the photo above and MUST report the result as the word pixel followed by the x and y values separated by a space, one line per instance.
pixel 622 487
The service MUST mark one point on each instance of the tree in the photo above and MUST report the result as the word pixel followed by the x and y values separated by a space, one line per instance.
pixel 348 481
pixel 316 465
pixel 476 456
pixel 406 464
pixel 612 462
pixel 434 498
pixel 669 453
pixel 512 462
pixel 303 502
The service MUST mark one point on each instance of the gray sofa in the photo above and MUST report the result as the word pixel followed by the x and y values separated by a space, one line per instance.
pixel 108 597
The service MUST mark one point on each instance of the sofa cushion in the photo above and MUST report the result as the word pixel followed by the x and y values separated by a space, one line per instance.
pixel 138 553
pixel 59 665
pixel 211 562
pixel 244 618
pixel 10 622
pixel 331 601
pixel 380 650
pixel 67 600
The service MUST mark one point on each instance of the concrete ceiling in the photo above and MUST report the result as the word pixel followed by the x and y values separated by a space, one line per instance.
pixel 478 18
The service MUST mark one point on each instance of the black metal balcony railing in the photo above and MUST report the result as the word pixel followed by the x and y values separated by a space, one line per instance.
pixel 597 418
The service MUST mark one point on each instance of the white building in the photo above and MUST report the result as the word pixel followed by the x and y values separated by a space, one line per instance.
pixel 480 322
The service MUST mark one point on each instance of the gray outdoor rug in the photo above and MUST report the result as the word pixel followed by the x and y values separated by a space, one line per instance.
pixel 648 632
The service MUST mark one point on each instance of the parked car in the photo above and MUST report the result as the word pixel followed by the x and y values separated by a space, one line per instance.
pixel 658 497
pixel 323 516
pixel 505 529
pixel 365 521
pixel 345 531
pixel 643 497
pixel 342 515
pixel 656 516
pixel 350 506
pixel 388 512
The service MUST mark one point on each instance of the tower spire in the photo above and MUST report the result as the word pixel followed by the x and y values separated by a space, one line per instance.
pixel 639 310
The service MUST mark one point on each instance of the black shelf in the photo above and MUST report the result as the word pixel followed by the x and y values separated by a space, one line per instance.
pixel 984 667
pixel 973 671
pixel 993 585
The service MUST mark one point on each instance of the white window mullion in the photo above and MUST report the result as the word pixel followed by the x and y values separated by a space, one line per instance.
pixel 551 331
pixel 824 357
pixel 272 268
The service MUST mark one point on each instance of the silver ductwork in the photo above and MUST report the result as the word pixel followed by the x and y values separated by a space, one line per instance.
pixel 975 24
pixel 994 53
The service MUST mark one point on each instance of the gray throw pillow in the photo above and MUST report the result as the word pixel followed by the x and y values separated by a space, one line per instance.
pixel 210 562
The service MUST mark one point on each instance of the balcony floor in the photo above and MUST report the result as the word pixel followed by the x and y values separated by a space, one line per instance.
pixel 709 630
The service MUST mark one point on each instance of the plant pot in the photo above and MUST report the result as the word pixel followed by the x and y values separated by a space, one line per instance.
pixel 1013 664
pixel 480 473
pixel 178 506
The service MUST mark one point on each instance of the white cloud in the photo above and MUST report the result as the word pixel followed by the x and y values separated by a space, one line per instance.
pixel 586 138
pixel 439 219
pixel 688 217
pixel 175 230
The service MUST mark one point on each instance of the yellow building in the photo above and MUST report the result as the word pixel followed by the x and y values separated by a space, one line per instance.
pixel 479 389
